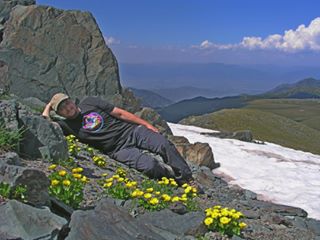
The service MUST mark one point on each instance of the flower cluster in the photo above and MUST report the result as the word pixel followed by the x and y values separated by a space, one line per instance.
pixel 99 161
pixel 150 194
pixel 73 147
pixel 224 220
pixel 66 186
pixel 118 186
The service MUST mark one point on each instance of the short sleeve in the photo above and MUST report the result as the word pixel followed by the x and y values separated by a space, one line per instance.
pixel 99 103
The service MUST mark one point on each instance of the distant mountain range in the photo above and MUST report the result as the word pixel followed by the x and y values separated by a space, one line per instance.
pixel 150 99
pixel 210 79
pixel 307 88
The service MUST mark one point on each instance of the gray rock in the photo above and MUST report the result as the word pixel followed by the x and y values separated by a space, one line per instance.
pixel 42 139
pixel 35 181
pixel 198 153
pixel 250 195
pixel 314 226
pixel 51 50
pixel 155 119
pixel 174 223
pixel 108 221
pixel 34 103
pixel 8 114
pixel 178 140
pixel 19 220
pixel 243 135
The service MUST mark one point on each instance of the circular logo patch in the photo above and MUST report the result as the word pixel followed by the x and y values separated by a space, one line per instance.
pixel 92 121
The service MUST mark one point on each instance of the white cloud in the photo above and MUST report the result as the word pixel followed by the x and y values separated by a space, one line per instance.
pixel 302 38
pixel 111 41
pixel 206 44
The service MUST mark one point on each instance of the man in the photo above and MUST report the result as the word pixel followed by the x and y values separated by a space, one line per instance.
pixel 120 134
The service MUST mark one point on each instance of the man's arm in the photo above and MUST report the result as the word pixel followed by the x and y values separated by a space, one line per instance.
pixel 129 117
pixel 46 111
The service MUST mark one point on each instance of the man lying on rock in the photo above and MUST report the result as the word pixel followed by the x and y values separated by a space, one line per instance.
pixel 120 134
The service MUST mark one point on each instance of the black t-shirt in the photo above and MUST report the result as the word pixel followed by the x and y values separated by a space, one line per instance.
pixel 96 127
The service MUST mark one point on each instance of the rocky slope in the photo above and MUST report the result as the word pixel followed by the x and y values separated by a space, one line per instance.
pixel 52 50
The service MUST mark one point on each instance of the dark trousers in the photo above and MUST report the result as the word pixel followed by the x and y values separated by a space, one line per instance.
pixel 142 138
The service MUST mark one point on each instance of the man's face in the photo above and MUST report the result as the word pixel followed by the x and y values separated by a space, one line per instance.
pixel 68 109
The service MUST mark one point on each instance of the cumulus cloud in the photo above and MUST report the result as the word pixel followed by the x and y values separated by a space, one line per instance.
pixel 302 38
pixel 111 41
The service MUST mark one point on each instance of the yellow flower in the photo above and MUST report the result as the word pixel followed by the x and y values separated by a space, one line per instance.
pixel 157 193
pixel 62 173
pixel 77 170
pixel 140 193
pixel 137 193
pixel 109 180
pixel 184 195
pixel 53 166
pixel 175 199
pixel 54 182
pixel 116 176
pixel 217 207
pixel 183 199
pixel 154 201
pixel 104 174
pixel 149 190
pixel 225 220
pixel 121 179
pixel 194 190
pixel 208 221
pixel 185 185
pixel 236 215
pixel 215 215
pixel 84 179
pixel 107 185
pixel 242 225
pixel 166 197
pixel 77 175
pixel 194 195
pixel 188 189
pixel 66 182
pixel 147 195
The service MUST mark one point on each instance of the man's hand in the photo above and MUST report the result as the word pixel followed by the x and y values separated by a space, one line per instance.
pixel 46 111
pixel 152 128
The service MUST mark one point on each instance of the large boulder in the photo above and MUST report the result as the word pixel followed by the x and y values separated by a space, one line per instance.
pixel 42 139
pixel 198 153
pixel 21 221
pixel 14 173
pixel 155 119
pixel 108 221
pixel 51 50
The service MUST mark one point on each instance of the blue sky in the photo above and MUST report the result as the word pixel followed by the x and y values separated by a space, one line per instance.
pixel 229 31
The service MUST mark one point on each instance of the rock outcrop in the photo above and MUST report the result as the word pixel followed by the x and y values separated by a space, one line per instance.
pixel 244 135
pixel 21 221
pixel 44 50
pixel 15 173
pixel 51 50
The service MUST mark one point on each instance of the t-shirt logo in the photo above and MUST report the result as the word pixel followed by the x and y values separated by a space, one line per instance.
pixel 92 121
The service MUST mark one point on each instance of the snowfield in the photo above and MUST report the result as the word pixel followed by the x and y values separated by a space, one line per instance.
pixel 279 174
